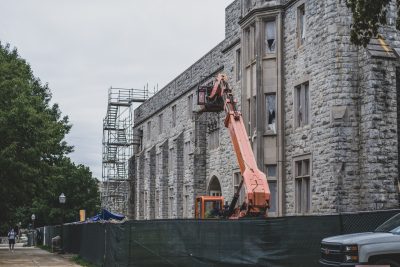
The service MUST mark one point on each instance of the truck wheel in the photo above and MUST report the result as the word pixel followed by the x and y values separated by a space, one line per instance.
pixel 392 263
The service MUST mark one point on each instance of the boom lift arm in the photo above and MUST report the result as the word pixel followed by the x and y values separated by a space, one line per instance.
pixel 257 193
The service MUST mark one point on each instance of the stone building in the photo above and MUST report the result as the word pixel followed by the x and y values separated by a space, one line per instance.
pixel 321 115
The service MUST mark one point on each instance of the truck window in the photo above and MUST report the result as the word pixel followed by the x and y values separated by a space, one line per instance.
pixel 390 226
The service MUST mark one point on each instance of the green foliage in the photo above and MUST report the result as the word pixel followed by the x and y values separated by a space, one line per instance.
pixel 82 262
pixel 34 168
pixel 368 16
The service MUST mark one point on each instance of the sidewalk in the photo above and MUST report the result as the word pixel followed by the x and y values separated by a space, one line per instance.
pixel 31 256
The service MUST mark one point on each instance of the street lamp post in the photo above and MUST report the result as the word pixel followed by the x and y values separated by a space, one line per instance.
pixel 33 217
pixel 62 199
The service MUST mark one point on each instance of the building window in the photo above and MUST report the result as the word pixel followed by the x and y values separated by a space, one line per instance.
pixel 145 195
pixel 250 43
pixel 213 137
pixel 171 160
pixel 170 202
pixel 270 113
pixel 247 44
pixel 272 182
pixel 254 81
pixel 148 130
pixel 186 152
pixel 190 106
pixel 186 213
pixel 301 25
pixel 158 165
pixel 157 204
pixel 173 115
pixel 160 123
pixel 302 185
pixel 141 139
pixel 270 36
pixel 238 65
pixel 237 178
pixel 302 105
pixel 248 116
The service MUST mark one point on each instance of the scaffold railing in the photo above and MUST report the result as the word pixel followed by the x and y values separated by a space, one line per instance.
pixel 117 146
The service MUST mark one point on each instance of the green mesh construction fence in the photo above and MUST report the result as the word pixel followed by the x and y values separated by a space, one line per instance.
pixel 286 241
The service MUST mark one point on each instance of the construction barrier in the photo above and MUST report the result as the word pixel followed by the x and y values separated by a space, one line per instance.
pixel 281 242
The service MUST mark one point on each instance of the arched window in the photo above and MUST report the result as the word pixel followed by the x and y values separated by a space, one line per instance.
pixel 214 187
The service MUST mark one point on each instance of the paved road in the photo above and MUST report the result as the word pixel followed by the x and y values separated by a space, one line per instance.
pixel 27 257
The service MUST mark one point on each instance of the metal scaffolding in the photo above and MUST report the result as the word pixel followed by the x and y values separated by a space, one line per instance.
pixel 117 146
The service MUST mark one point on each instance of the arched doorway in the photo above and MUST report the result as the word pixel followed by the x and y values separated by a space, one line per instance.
pixel 214 187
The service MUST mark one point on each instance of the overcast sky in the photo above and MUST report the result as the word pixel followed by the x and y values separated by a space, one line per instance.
pixel 82 47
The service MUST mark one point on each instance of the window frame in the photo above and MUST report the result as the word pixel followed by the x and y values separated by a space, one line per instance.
pixel 186 153
pixel 186 195
pixel 160 123
pixel 250 44
pixel 173 116
pixel 265 36
pixel 149 130
pixel 266 113
pixel 171 154
pixel 301 25
pixel 303 196
pixel 302 91
pixel 158 164
pixel 171 192
pixel 145 203
pixel 157 204
pixel 238 64
pixel 274 179
pixel 190 106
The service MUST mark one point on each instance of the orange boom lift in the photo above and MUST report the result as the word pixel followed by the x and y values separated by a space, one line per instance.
pixel 216 98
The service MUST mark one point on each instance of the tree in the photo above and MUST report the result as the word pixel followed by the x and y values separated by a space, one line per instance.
pixel 78 185
pixel 368 16
pixel 32 146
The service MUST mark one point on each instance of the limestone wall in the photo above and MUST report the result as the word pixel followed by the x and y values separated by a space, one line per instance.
pixel 351 139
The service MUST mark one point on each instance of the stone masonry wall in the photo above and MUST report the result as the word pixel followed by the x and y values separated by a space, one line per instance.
pixel 378 135
pixel 351 139
pixel 190 180
pixel 340 138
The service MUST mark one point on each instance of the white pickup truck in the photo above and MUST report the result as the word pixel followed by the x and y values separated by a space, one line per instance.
pixel 381 247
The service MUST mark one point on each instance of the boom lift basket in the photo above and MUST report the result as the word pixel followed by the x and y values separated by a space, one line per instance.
pixel 203 99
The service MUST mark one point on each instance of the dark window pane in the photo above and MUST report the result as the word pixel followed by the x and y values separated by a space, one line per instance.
pixel 271 170
pixel 273 197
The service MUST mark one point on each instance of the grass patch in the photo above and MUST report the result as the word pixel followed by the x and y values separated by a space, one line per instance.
pixel 82 262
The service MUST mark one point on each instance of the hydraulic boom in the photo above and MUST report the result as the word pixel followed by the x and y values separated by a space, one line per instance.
pixel 254 182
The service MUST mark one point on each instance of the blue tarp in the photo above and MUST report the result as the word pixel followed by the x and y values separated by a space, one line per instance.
pixel 107 215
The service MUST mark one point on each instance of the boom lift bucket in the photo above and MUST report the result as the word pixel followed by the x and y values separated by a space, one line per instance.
pixel 203 99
